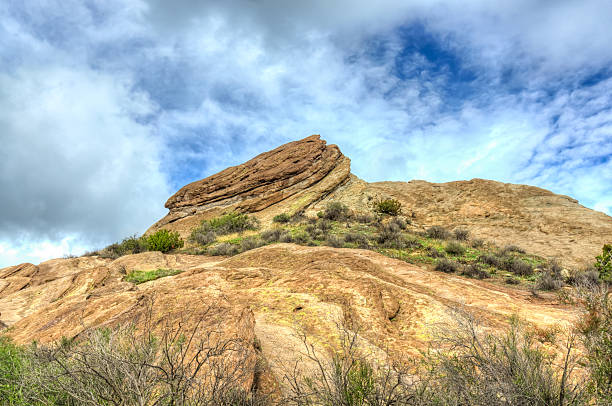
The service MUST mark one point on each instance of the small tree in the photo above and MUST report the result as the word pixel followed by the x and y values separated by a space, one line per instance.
pixel 603 263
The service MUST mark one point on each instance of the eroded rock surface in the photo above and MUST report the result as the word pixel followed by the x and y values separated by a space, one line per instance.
pixel 268 294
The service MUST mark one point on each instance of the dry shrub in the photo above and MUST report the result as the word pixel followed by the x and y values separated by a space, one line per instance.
pixel 438 232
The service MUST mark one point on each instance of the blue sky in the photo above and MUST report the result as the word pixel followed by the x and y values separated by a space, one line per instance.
pixel 107 108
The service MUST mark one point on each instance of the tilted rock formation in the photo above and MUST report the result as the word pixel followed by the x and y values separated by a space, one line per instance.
pixel 297 174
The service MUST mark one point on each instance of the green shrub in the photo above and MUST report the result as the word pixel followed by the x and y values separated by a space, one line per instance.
pixel 603 263
pixel 164 241
pixel 454 248
pixel 336 211
pixel 392 207
pixel 281 218
pixel 11 364
pixel 596 329
pixel 438 232
pixel 447 266
pixel 139 277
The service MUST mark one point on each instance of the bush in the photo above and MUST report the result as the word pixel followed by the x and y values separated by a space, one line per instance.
pixel 550 278
pixel 203 237
pixel 364 218
pixel 438 232
pixel 507 368
pixel 224 249
pixel 512 281
pixel 129 245
pixel 250 243
pixel 392 207
pixel 232 222
pixel 390 236
pixel 474 271
pixel 492 260
pixel 335 211
pixel 124 365
pixel 512 248
pixel 301 237
pixel 139 277
pixel 461 234
pixel 447 266
pixel 603 263
pixel 518 267
pixel 281 218
pixel 477 243
pixel 596 329
pixel 164 241
pixel 434 253
pixel 11 365
pixel 273 235
pixel 587 278
pixel 358 239
pixel 454 248
pixel 549 281
pixel 400 222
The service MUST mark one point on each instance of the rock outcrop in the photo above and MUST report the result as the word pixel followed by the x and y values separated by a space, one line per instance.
pixel 295 175
pixel 305 175
pixel 264 294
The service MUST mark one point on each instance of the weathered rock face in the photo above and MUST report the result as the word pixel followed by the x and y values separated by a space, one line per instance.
pixel 296 174
pixel 264 295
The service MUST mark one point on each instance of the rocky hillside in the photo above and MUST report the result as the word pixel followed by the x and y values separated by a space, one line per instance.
pixel 305 175
pixel 264 295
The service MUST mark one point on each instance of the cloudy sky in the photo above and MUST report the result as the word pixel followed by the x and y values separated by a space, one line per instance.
pixel 108 107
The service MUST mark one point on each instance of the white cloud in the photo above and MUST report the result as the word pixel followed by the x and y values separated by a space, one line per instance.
pixel 75 159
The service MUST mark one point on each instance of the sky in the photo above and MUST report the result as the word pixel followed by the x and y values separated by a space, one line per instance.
pixel 108 107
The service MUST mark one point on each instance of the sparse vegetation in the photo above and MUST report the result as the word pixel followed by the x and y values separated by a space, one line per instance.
pixel 164 241
pixel 232 222
pixel 129 245
pixel 139 277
